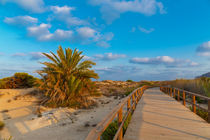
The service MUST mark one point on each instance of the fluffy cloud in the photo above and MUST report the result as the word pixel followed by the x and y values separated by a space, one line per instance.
pixel 109 56
pixel 86 32
pixel 111 9
pixel 65 10
pixel 204 49
pixel 36 6
pixel 21 20
pixel 41 32
pixel 64 14
pixel 163 60
pixel 82 34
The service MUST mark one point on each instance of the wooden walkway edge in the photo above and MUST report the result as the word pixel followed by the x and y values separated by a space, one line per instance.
pixel 160 117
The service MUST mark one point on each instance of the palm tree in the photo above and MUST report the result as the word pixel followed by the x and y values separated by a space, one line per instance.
pixel 66 78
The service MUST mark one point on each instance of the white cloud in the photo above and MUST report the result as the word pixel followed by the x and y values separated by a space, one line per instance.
pixel 193 64
pixel 36 6
pixel 147 31
pixel 36 55
pixel 41 32
pixel 19 54
pixel 21 20
pixel 87 57
pixel 62 35
pixel 81 35
pixel 163 60
pixel 102 39
pixel 64 14
pixel 65 10
pixel 86 32
pixel 204 49
pixel 109 56
pixel 111 9
pixel 31 55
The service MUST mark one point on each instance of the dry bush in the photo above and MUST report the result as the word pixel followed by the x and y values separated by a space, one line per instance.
pixel 199 85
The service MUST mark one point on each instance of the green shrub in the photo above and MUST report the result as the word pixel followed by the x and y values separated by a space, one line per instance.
pixel 1 125
pixel 129 80
pixel 201 113
pixel 18 80
pixel 111 130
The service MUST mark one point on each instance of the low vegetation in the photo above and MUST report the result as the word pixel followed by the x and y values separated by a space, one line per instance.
pixel 17 81
pixel 66 79
pixel 111 130
pixel 201 113
pixel 198 85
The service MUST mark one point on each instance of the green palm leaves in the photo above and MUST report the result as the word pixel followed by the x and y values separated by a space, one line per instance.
pixel 66 78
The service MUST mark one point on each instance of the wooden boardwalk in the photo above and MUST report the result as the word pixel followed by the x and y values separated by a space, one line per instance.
pixel 160 117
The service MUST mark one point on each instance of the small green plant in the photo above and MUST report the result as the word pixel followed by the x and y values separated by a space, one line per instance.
pixel 111 130
pixel 201 113
pixel 1 125
pixel 129 80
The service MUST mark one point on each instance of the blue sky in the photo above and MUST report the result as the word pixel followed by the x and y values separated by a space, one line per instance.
pixel 129 39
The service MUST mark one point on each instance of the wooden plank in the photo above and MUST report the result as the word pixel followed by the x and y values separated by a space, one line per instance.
pixel 165 119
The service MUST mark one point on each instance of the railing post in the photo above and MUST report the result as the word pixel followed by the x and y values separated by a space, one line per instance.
pixel 209 111
pixel 136 97
pixel 178 96
pixel 133 99
pixel 120 118
pixel 171 92
pixel 174 93
pixel 184 102
pixel 193 105
pixel 129 103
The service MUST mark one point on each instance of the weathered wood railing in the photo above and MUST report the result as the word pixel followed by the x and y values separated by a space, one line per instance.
pixel 131 101
pixel 175 92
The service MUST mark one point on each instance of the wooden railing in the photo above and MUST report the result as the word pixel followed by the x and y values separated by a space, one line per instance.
pixel 184 95
pixel 122 114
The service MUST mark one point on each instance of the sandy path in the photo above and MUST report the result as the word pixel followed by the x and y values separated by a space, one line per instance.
pixel 55 124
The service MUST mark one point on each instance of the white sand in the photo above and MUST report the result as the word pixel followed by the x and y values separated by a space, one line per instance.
pixel 55 124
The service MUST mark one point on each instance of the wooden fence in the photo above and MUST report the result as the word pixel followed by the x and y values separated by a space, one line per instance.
pixel 185 95
pixel 131 102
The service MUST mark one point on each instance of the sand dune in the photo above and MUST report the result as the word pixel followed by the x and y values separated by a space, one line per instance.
pixel 22 122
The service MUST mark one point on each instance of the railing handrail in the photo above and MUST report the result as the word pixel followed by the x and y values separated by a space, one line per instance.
pixel 189 92
pixel 96 132
pixel 169 90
